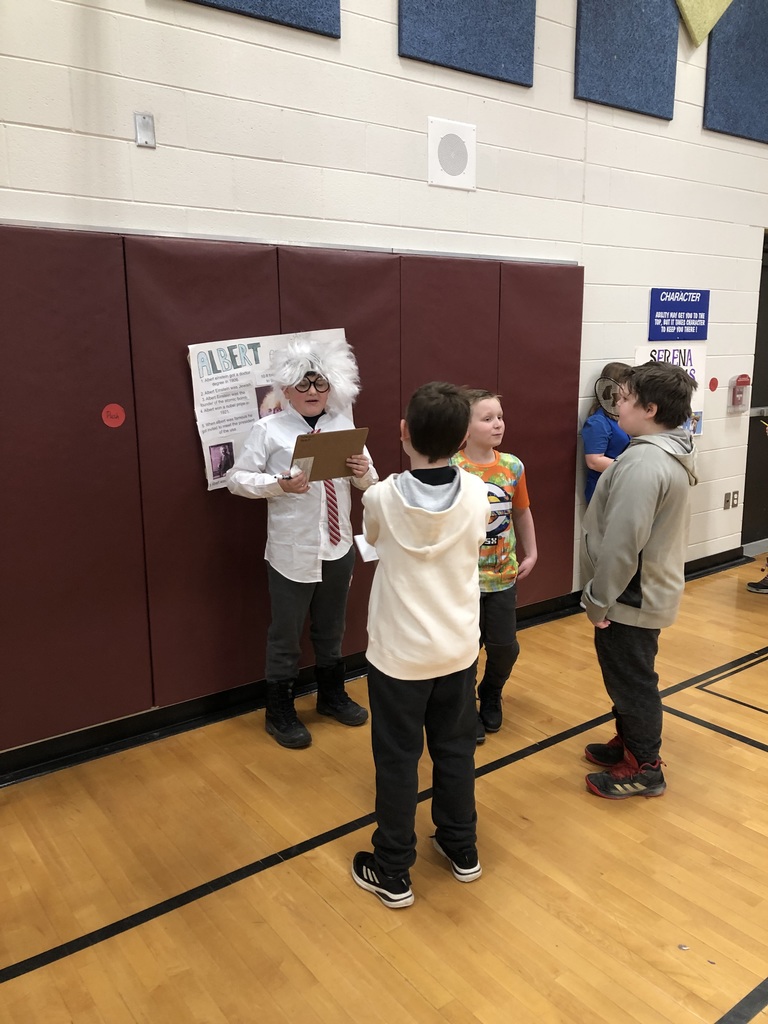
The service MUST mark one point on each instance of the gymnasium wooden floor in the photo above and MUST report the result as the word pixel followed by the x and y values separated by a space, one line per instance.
pixel 205 877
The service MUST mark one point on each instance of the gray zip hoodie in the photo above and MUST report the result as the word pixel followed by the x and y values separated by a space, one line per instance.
pixel 635 532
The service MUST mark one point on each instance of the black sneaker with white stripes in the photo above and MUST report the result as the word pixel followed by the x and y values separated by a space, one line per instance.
pixel 394 891
pixel 465 863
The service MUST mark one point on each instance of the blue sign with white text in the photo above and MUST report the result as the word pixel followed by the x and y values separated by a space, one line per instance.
pixel 678 314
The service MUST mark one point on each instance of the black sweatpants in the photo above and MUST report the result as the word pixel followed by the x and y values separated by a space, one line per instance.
pixel 627 656
pixel 402 711
pixel 498 635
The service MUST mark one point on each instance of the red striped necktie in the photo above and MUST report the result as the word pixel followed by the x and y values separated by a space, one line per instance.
pixel 334 532
pixel 332 505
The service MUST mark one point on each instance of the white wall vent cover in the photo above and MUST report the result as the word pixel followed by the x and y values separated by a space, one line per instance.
pixel 452 154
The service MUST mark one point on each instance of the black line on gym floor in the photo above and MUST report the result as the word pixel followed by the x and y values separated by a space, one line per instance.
pixel 747 740
pixel 707 688
pixel 98 935
pixel 735 700
pixel 109 931
pixel 748 1008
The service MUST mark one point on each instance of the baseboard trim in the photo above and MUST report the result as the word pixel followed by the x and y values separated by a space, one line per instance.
pixel 96 741
pixel 716 563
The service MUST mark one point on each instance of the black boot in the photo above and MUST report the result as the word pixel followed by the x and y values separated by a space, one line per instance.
pixel 281 720
pixel 332 698
pixel 499 662
pixel 480 740
pixel 490 713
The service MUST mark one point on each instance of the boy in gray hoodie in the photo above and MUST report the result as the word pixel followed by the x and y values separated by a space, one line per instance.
pixel 633 546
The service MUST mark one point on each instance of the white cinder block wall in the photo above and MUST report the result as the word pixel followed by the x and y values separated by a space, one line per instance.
pixel 273 134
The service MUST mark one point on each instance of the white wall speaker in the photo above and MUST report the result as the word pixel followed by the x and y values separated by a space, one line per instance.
pixel 452 154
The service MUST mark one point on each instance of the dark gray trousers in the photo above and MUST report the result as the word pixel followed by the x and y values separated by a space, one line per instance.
pixel 326 605
pixel 627 657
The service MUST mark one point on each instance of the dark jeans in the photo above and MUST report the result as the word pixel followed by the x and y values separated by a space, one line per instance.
pixel 498 635
pixel 402 710
pixel 627 655
pixel 326 605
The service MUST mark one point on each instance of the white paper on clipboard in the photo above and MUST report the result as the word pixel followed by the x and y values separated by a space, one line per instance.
pixel 303 466
pixel 367 551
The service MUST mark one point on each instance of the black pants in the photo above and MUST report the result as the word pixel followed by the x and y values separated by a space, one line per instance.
pixel 402 710
pixel 627 655
pixel 498 635
pixel 326 605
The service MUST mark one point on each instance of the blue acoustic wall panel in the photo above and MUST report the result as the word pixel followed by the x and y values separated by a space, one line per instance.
pixel 492 38
pixel 736 100
pixel 626 54
pixel 322 16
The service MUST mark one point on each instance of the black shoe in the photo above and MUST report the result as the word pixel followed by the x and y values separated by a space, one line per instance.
pixel 341 707
pixel 761 587
pixel 394 891
pixel 628 779
pixel 465 864
pixel 490 709
pixel 333 699
pixel 480 731
pixel 281 720
pixel 288 731
pixel 606 754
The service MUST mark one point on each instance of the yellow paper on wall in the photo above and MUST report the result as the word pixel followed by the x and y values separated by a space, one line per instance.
pixel 701 16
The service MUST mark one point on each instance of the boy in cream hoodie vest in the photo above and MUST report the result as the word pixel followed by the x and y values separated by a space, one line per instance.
pixel 427 526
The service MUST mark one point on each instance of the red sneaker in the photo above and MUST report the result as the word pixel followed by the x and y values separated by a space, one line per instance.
pixel 628 779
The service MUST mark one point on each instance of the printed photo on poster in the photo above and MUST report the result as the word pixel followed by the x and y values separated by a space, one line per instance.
pixel 692 358
pixel 694 422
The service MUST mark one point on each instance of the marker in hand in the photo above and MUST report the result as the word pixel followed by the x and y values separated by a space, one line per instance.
pixel 294 482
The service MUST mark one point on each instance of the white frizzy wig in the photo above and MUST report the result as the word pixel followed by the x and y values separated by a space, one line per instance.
pixel 332 359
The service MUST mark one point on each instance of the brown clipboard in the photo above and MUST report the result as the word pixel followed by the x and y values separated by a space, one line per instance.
pixel 323 456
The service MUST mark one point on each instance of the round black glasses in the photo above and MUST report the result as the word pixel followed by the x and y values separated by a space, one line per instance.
pixel 320 384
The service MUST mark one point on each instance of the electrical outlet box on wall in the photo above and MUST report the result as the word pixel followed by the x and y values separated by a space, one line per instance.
pixel 452 154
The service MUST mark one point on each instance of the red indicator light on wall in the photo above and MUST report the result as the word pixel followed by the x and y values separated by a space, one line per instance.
pixel 113 415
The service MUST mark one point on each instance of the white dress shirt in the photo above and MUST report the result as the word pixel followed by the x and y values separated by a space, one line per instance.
pixel 297 524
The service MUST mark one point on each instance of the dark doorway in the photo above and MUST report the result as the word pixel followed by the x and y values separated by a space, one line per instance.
pixel 754 528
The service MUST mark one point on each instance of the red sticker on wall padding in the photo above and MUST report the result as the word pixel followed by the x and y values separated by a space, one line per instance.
pixel 113 415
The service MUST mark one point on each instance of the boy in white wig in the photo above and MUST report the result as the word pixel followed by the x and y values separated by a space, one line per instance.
pixel 310 554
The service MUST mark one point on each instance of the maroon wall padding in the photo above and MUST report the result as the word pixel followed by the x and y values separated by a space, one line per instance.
pixel 359 291
pixel 539 357
pixel 208 599
pixel 95 613
pixel 75 646
pixel 515 328
pixel 450 322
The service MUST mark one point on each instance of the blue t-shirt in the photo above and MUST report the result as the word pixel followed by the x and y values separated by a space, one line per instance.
pixel 601 436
